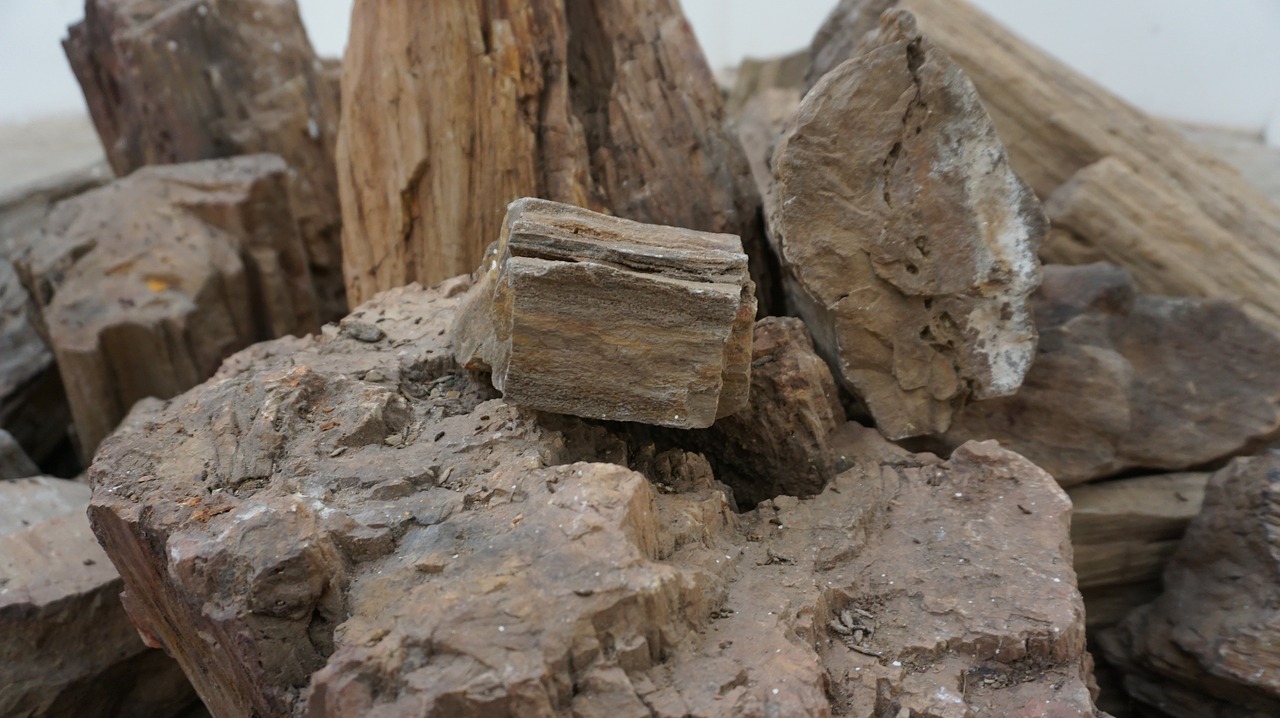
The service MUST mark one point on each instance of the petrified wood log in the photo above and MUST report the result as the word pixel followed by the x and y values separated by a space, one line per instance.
pixel 585 314
pixel 1212 226
pixel 1122 535
pixel 144 286
pixel 908 244
pixel 603 104
pixel 1207 646
pixel 67 648
pixel 178 81
pixel 1123 381
pixel 343 525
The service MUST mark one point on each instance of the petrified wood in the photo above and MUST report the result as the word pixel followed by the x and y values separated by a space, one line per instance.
pixel 336 526
pixel 1155 192
pixel 172 81
pixel 603 104
pixel 585 314
pixel 144 286
pixel 907 242
pixel 1123 381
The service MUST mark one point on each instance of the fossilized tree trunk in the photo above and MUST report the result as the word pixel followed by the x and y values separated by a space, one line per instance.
pixel 454 108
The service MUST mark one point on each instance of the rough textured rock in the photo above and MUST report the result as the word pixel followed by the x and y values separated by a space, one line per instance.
pixel 144 286
pixel 908 243
pixel 14 462
pixel 782 443
pixel 1123 533
pixel 1056 123
pixel 178 81
pixel 1207 646
pixel 603 104
pixel 1123 381
pixel 33 405
pixel 66 646
pixel 595 316
pixel 759 124
pixel 339 527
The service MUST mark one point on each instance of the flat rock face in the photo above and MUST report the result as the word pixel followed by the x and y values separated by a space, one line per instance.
pixel 1123 381
pixel 351 524
pixel 1207 645
pixel 144 286
pixel 585 314
pixel 603 104
pixel 66 646
pixel 908 243
pixel 171 81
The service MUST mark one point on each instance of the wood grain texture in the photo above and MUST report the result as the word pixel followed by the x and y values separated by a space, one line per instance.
pixel 1057 123
pixel 591 315
pixel 454 108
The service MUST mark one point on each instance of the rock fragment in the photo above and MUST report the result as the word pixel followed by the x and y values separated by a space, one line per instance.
pixel 1207 646
pixel 66 646
pixel 144 286
pixel 908 244
pixel 584 314
pixel 1122 381
pixel 14 462
pixel 301 565
pixel 33 405
pixel 603 104
pixel 169 82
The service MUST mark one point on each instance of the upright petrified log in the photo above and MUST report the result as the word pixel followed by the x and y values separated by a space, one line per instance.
pixel 182 80
pixel 144 286
pixel 908 244
pixel 585 314
pixel 1123 381
pixel 1210 644
pixel 349 526
pixel 603 104
pixel 1156 194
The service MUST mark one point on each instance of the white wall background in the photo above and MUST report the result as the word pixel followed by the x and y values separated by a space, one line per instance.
pixel 1209 61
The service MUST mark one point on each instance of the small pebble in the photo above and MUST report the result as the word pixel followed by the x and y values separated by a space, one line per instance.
pixel 363 332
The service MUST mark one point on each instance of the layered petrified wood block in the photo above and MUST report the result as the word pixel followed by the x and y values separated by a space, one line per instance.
pixel 585 314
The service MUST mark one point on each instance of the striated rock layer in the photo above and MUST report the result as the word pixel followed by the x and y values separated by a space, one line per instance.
pixel 908 244
pixel 603 104
pixel 584 314
pixel 351 524
pixel 144 286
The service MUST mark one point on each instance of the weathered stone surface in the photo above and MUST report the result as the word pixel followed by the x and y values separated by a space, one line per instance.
pixel 144 286
pixel 759 124
pixel 1123 533
pixel 782 442
pixel 595 316
pixel 908 243
pixel 66 646
pixel 1056 122
pixel 33 405
pixel 14 462
pixel 1208 645
pixel 178 81
pixel 334 527
pixel 1123 381
pixel 603 104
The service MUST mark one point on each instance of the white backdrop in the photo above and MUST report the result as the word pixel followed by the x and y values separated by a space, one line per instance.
pixel 1211 61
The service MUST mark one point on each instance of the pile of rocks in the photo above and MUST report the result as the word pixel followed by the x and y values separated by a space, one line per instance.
pixel 754 407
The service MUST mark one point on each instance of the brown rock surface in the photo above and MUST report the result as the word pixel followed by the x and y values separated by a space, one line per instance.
pixel 1156 192
pixel 782 443
pixel 178 81
pixel 1122 381
pixel 66 646
pixel 585 314
pixel 908 243
pixel 337 526
pixel 1122 535
pixel 1208 645
pixel 603 104
pixel 144 286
